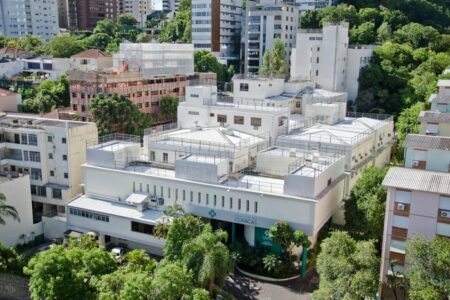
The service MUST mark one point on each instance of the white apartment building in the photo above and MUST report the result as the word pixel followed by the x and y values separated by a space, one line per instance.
pixel 170 5
pixel 418 198
pixel 17 193
pixel 305 5
pixel 216 27
pixel 324 56
pixel 29 17
pixel 139 9
pixel 154 59
pixel 264 22
pixel 51 152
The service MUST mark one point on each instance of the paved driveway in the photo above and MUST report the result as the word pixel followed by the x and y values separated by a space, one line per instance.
pixel 243 287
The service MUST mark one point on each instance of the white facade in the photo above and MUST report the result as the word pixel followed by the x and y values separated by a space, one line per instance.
pixel 304 5
pixel 139 9
pixel 324 57
pixel 358 58
pixel 17 193
pixel 156 59
pixel 42 148
pixel 266 21
pixel 202 108
pixel 29 17
pixel 216 27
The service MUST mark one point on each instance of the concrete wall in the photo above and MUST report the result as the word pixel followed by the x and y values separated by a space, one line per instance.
pixel 10 102
pixel 54 227
pixel 437 160
pixel 258 89
pixel 358 57
pixel 11 68
pixel 18 195
pixel 443 128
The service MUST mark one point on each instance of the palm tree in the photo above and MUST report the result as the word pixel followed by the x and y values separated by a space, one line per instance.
pixel 208 257
pixel 7 210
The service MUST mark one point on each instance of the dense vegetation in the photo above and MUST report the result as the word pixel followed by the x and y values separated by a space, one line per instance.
pixel 195 267
pixel 179 28
pixel 414 48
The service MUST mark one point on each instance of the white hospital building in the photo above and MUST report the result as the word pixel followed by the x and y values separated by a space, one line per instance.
pixel 241 161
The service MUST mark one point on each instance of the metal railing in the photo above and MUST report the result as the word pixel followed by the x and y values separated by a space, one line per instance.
pixel 162 128
pixel 380 117
pixel 113 140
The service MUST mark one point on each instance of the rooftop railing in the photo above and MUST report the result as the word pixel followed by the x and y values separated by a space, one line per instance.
pixel 110 138
pixel 380 117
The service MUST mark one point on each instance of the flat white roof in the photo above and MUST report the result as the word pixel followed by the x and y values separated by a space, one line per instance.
pixel 151 171
pixel 349 131
pixel 114 145
pixel 115 209
pixel 218 135
pixel 136 198
pixel 257 183
pixel 203 159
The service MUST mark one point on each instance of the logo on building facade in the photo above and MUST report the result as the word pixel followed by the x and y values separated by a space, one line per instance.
pixel 245 220
pixel 212 213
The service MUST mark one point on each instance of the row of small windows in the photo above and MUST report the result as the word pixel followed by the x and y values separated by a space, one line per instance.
pixel 89 215
pixel 41 191
pixel 214 200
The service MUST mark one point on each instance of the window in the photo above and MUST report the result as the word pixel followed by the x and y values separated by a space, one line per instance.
pixel 317 72
pixel 194 113
pixel 162 192
pixel 184 195
pixel 207 199
pixel 247 208
pixel 50 156
pixel 23 139
pixel 38 190
pixel 256 207
pixel 165 157
pixel 221 118
pixel 56 193
pixel 192 196
pixel 50 139
pixel 231 203
pixel 32 140
pixel 239 120
pixel 64 157
pixel 215 200
pixel 142 228
pixel 152 155
pixel 35 156
pixel 36 174
pixel 63 140
pixel 66 175
pixel 255 122
pixel 239 204
pixel 223 201
pixel 25 155
pixel 243 87
pixel 52 173
pixel 88 214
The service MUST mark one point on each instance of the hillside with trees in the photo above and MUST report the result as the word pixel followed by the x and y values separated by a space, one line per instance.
pixel 414 48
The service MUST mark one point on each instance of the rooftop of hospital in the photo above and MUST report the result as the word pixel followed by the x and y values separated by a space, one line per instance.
pixel 346 132
pixel 18 120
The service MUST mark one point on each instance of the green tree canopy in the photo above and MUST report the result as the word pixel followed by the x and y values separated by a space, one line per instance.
pixel 113 111
pixel 282 234
pixel 274 60
pixel 428 272
pixel 208 257
pixel 168 107
pixel 416 35
pixel 348 269
pixel 125 19
pixel 363 34
pixel 183 230
pixel 364 210
pixel 171 281
pixel 64 46
pixel 408 122
pixel 178 29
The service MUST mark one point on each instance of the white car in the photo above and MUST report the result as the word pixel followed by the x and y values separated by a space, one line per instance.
pixel 117 252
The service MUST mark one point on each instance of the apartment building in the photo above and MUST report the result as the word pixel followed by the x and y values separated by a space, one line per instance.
pixel 324 56
pixel 144 73
pixel 16 189
pixel 84 14
pixel 51 152
pixel 418 197
pixel 216 27
pixel 139 9
pixel 264 22
pixel 305 5
pixel 29 17
pixel 170 5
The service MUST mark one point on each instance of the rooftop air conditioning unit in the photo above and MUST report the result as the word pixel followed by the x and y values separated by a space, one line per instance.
pixel 401 206
pixel 415 163
pixel 445 214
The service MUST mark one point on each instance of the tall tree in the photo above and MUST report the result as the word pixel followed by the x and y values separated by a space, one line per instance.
pixel 178 29
pixel 168 107
pixel 171 281
pixel 274 60
pixel 117 112
pixel 348 269
pixel 7 211
pixel 428 271
pixel 182 231
pixel 208 257
pixel 64 46
pixel 282 234
pixel 364 210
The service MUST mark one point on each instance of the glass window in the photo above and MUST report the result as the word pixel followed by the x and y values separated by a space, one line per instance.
pixel 239 120
pixel 64 157
pixel 57 193
pixel 243 87
pixel 50 156
pixel 23 138
pixel 50 139
pixel 165 157
pixel 221 118
pixel 63 140
pixel 256 122
pixel 32 139
pixel 35 156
